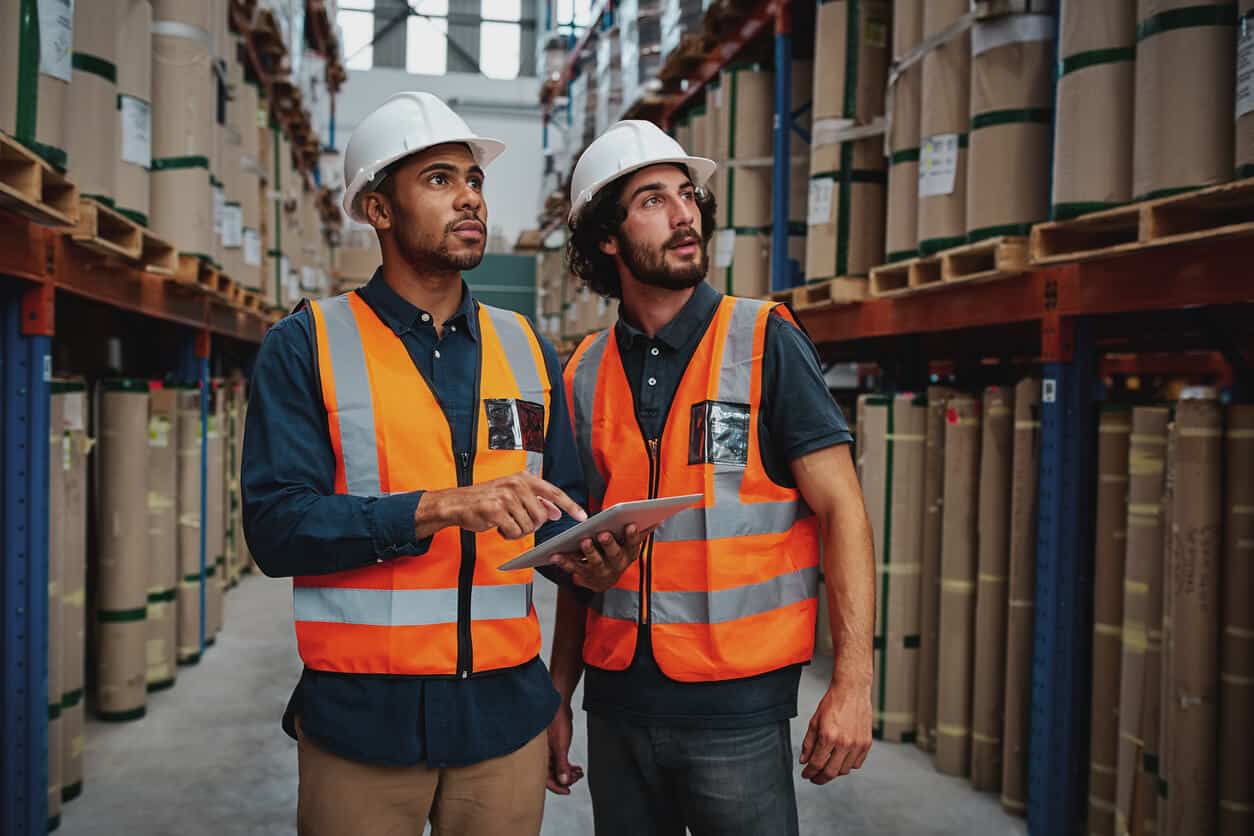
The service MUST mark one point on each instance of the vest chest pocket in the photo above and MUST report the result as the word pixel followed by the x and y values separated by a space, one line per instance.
pixel 718 433
pixel 514 424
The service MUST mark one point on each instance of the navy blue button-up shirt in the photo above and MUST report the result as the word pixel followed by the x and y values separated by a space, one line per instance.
pixel 297 525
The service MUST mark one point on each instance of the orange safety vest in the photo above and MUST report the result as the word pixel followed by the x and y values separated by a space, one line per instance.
pixel 448 612
pixel 729 589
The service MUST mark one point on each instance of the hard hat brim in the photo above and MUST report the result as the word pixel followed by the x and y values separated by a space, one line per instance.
pixel 483 149
pixel 700 169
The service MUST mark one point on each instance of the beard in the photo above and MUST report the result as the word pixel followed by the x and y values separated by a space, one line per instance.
pixel 428 256
pixel 649 266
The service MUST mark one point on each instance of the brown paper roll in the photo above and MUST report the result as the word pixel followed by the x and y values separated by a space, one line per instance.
pixel 1021 596
pixel 72 745
pixel 907 26
pixel 1194 606
pixel 1236 689
pixel 163 571
pixel 945 110
pixel 134 79
pixel 872 21
pixel 196 13
pixel 996 464
pixel 959 563
pixel 1183 136
pixel 215 533
pixel 1141 605
pixel 865 235
pixel 930 558
pixel 902 234
pixel 93 135
pixel 1093 128
pixel 121 669
pixel 1008 167
pixel 1158 659
pixel 1245 122
pixel 59 463
pixel 189 439
pixel 1114 430
pixel 73 593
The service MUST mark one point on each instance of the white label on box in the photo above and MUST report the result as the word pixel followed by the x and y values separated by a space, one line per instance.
pixel 820 202
pixel 72 408
pixel 56 38
pixel 308 279
pixel 1245 68
pixel 724 248
pixel 252 247
pixel 159 431
pixel 232 226
pixel 938 165
pixel 136 115
pixel 1049 390
pixel 219 208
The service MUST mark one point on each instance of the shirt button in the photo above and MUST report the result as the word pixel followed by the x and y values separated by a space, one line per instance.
pixel 426 317
pixel 653 381
pixel 437 354
pixel 452 327
pixel 654 351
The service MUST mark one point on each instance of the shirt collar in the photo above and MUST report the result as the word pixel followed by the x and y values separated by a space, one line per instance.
pixel 400 315
pixel 691 319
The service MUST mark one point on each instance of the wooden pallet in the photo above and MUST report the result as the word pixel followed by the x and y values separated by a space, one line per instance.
pixel 33 189
pixel 188 270
pixel 904 277
pixel 158 256
pixel 107 232
pixel 996 258
pixel 839 291
pixel 250 300
pixel 1210 214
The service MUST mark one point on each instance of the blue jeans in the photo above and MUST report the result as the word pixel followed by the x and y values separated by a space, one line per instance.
pixel 657 781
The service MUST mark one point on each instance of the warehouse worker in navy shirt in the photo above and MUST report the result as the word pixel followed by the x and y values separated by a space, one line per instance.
pixel 403 441
pixel 694 656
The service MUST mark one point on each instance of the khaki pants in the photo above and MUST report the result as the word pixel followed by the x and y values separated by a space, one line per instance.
pixel 500 797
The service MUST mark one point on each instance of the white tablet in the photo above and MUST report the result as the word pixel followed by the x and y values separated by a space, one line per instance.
pixel 644 513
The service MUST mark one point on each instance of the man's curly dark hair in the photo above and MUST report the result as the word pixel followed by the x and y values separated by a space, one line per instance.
pixel 601 219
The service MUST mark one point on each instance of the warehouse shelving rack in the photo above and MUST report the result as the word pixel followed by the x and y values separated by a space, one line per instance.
pixel 1180 306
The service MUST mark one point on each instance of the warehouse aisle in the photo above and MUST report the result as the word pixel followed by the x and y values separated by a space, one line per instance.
pixel 209 758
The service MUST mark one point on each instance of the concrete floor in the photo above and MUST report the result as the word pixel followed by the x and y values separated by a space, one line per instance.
pixel 209 759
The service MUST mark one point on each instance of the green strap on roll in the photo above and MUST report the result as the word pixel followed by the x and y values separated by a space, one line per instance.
pixel 138 217
pixel 1013 116
pixel 1245 171
pixel 851 60
pixel 176 163
pixel 1094 58
pixel 1002 230
pixel 121 716
pixel 905 155
pixel 1074 209
pixel 27 72
pixel 935 245
pixel 101 199
pixel 1224 14
pixel 1158 194
pixel 164 596
pixel 846 176
pixel 901 255
pixel 71 698
pixel 95 65
pixel 122 616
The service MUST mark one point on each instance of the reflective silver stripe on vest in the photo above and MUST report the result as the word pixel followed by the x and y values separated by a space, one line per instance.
pixel 623 604
pixel 407 607
pixel 517 346
pixel 737 602
pixel 735 378
pixel 583 392
pixel 353 402
pixel 731 519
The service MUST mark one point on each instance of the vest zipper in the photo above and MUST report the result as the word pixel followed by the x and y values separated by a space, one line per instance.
pixel 466 573
pixel 646 568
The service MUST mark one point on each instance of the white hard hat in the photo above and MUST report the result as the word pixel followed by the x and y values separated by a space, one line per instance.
pixel 405 124
pixel 625 147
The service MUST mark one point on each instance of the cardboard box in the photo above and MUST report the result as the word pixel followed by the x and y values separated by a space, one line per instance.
pixel 959 568
pixel 1020 614
pixel 1114 430
pixel 989 678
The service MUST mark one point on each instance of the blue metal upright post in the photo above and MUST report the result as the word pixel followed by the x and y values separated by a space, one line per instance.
pixel 781 271
pixel 1061 672
pixel 25 372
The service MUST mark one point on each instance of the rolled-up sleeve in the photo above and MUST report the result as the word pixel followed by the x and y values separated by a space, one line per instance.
pixel 294 521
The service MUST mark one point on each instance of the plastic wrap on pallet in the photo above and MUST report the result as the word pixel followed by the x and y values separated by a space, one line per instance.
pixel 1093 131
pixel 33 95
pixel 1236 677
pixel 943 125
pixel 1021 596
pixel 1183 135
pixel 991 597
pixel 1135 787
pixel 1012 95
pixel 930 558
pixel 1114 431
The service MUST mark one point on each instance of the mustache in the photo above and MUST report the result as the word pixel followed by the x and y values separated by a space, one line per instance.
pixel 463 219
pixel 682 238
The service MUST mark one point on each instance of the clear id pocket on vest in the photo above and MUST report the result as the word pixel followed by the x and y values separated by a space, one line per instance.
pixel 514 424
pixel 718 433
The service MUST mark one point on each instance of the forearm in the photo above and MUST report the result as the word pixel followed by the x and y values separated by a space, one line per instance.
pixel 300 532
pixel 566 660
pixel 849 570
